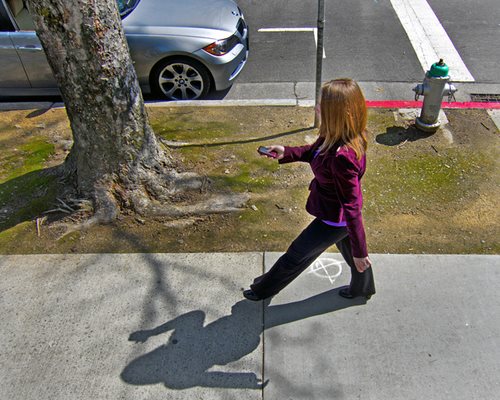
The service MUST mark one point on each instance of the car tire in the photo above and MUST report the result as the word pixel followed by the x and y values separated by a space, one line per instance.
pixel 180 79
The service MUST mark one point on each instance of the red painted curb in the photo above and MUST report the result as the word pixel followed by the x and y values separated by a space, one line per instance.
pixel 418 104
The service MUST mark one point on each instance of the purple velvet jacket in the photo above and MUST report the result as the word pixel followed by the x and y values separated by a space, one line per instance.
pixel 335 192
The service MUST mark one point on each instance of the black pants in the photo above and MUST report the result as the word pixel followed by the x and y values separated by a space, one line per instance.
pixel 308 246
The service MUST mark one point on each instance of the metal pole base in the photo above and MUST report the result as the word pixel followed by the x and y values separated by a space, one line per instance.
pixel 425 127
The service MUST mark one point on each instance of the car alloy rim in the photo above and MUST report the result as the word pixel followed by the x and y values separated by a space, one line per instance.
pixel 181 82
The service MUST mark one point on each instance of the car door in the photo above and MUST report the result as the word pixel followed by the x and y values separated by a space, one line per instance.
pixel 13 74
pixel 28 46
pixel 33 57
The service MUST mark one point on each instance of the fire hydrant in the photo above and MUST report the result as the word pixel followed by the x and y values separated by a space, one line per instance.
pixel 435 86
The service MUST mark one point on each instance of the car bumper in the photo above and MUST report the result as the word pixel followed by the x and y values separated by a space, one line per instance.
pixel 226 68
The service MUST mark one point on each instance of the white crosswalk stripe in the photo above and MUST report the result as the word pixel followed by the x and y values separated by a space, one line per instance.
pixel 429 39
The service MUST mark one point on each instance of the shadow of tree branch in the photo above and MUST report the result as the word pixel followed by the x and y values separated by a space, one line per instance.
pixel 229 142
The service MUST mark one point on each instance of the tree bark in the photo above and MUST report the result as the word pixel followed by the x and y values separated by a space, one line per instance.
pixel 116 159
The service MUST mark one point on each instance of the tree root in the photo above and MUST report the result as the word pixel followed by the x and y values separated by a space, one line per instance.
pixel 81 226
pixel 166 195
pixel 154 191
pixel 217 204
pixel 151 199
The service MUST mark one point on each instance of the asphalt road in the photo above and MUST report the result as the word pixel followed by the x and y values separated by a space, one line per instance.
pixel 366 40
pixel 387 45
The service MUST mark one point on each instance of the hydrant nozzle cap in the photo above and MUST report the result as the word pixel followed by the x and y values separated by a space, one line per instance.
pixel 439 69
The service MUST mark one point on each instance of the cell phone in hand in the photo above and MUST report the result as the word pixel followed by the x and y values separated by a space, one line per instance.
pixel 266 152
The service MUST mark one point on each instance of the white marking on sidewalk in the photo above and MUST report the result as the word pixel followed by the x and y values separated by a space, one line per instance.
pixel 313 30
pixel 429 39
pixel 320 268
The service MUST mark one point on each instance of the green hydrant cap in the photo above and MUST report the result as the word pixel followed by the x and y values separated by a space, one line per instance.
pixel 439 69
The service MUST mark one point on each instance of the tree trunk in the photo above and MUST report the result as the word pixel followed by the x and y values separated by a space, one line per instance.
pixel 115 160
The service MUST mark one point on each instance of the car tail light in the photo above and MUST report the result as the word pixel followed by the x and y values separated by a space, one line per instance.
pixel 221 47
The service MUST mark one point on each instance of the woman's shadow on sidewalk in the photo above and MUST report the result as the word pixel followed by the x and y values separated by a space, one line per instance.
pixel 192 349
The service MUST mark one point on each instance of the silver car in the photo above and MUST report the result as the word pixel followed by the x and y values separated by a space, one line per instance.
pixel 182 49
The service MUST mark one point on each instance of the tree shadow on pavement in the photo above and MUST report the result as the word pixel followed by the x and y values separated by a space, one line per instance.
pixel 192 348
pixel 396 135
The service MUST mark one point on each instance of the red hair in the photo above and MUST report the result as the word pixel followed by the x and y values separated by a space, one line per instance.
pixel 343 116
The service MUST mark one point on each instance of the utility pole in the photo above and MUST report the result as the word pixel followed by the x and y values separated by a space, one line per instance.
pixel 319 57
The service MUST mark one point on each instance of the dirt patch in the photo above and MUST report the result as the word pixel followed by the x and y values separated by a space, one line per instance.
pixel 423 193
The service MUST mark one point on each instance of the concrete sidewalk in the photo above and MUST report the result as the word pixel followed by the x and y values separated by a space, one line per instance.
pixel 175 326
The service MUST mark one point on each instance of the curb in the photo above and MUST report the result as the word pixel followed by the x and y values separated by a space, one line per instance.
pixel 226 103
pixel 262 103
pixel 310 103
pixel 418 104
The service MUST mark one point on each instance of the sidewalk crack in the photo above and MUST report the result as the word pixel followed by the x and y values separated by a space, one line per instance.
pixel 295 93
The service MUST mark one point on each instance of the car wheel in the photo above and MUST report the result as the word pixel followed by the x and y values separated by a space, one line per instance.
pixel 181 80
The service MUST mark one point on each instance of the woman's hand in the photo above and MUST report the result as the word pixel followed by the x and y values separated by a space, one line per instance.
pixel 362 264
pixel 279 150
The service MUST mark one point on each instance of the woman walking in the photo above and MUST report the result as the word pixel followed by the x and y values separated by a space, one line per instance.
pixel 338 162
